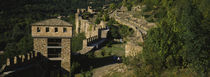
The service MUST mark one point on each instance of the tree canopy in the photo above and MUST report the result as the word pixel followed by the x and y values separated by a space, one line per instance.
pixel 180 40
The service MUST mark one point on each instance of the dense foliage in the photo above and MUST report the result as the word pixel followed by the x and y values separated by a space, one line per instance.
pixel 16 17
pixel 180 40
pixel 118 31
pixel 77 42
pixel 130 3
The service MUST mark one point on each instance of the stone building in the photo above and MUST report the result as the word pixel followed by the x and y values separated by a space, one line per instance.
pixel 52 38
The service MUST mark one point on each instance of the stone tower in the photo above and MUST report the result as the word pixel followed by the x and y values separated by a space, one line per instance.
pixel 52 38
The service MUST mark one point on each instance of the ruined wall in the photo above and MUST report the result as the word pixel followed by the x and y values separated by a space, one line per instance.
pixel 132 49
pixel 77 22
pixel 90 29
pixel 22 58
pixel 19 60
pixel 84 43
pixel 104 33
pixel 66 54
pixel 40 45
pixel 102 24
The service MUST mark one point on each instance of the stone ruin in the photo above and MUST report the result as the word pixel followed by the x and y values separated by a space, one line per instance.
pixel 84 25
pixel 139 25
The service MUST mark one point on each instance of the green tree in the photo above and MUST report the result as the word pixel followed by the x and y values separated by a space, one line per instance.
pixel 25 45
pixel 125 31
pixel 77 42
pixel 97 21
pixel 105 17
pixel 112 6
pixel 179 40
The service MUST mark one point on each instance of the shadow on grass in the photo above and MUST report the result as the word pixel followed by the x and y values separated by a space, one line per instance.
pixel 89 61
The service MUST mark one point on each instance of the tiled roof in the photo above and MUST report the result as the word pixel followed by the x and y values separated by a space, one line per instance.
pixel 52 22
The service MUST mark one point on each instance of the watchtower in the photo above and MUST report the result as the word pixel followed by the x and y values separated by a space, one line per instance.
pixel 52 38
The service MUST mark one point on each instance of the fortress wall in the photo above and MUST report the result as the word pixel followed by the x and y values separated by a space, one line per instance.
pixel 40 45
pixel 87 27
pixel 21 58
pixel 132 49
pixel 51 32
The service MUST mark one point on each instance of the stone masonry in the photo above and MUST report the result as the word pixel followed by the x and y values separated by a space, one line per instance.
pixel 139 25
pixel 85 25
pixel 40 45
pixel 65 54
pixel 132 49
pixel 52 38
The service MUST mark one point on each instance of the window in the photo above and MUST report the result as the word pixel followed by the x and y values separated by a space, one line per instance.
pixel 64 30
pixel 38 29
pixel 54 52
pixel 56 29
pixel 47 29
pixel 54 42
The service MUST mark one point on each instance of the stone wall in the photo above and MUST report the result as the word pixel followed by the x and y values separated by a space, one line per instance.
pixel 104 34
pixel 19 59
pixel 89 28
pixel 66 54
pixel 77 22
pixel 84 43
pixel 51 32
pixel 127 18
pixel 40 45
pixel 132 49
pixel 139 25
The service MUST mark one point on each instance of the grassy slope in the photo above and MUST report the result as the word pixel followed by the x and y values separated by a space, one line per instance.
pixel 115 49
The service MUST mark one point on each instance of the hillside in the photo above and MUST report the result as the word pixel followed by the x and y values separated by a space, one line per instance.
pixel 178 43
pixel 151 38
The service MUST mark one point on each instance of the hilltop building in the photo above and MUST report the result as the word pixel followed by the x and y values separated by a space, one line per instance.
pixel 52 38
